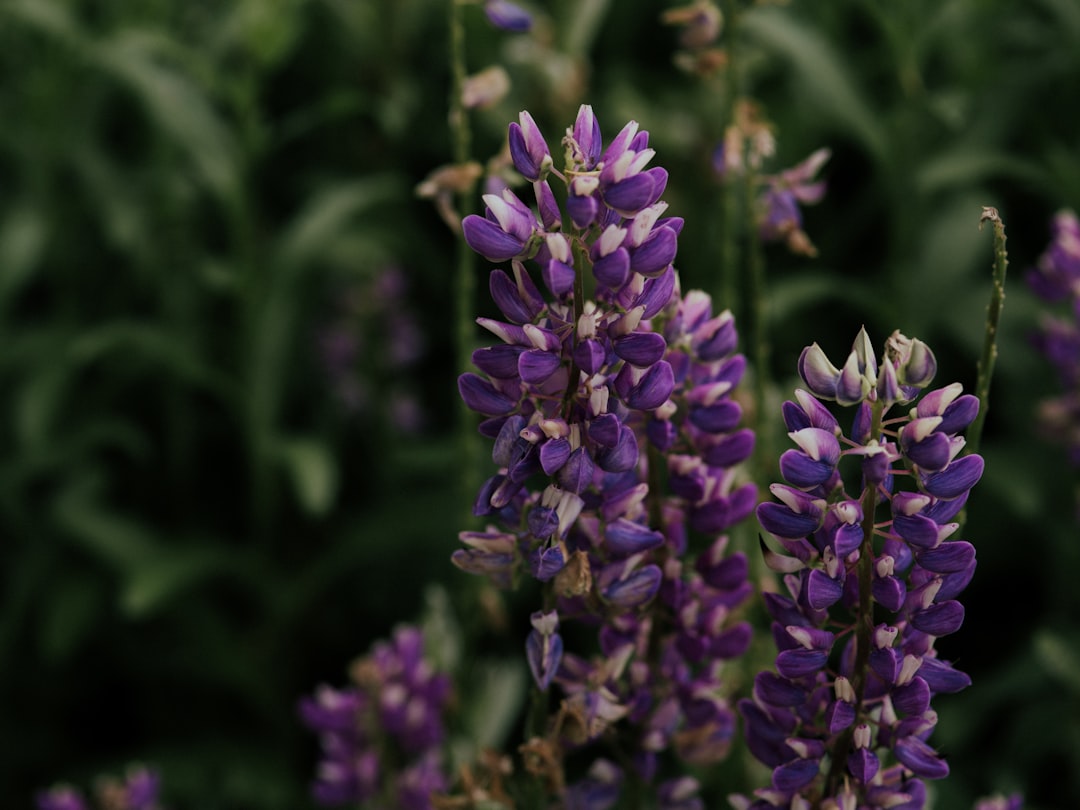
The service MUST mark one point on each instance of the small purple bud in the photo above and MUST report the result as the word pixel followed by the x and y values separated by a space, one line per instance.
pixel 482 397
pixel 920 758
pixel 885 661
pixel 918 530
pixel 543 521
pixel 587 136
pixel 716 338
pixel 889 592
pixel 507 16
pixel 528 149
pixel 548 206
pixel 931 453
pixel 502 450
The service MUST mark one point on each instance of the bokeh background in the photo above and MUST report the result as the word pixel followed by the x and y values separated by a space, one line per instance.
pixel 230 447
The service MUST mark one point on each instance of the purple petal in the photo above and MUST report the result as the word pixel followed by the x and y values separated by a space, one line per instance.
pixel 652 389
pixel 640 348
pixel 719 417
pixel 800 662
pixel 920 758
pixel 941 677
pixel 656 293
pixel 822 591
pixel 590 355
pixel 939 619
pixel 507 16
pixel 948 558
pixel 536 366
pixel 624 537
pixel 623 456
pixel 655 253
pixel 613 270
pixel 499 361
pixel 481 396
pixel 863 764
pixel 730 450
pixel 509 299
pixel 778 691
pixel 913 698
pixel 956 479
pixel 554 454
pixel 636 589
pixel 489 240
pixel 631 195
pixel 577 474
pixel 793 776
pixel 778 519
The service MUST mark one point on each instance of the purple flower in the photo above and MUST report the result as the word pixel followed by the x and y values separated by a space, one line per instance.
pixel 61 797
pixel 397 698
pixel 914 567
pixel 508 16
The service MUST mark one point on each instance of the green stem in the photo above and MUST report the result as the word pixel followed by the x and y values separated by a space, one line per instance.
pixel 729 198
pixel 760 349
pixel 464 279
pixel 864 620
pixel 993 315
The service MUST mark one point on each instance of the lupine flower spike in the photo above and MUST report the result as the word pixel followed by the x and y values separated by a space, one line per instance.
pixel 872 573
pixel 591 402
pixel 393 710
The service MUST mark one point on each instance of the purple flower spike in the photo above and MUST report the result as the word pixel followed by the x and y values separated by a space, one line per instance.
pixel 61 797
pixel 587 138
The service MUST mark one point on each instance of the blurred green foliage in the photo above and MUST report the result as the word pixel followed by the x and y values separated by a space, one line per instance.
pixel 195 531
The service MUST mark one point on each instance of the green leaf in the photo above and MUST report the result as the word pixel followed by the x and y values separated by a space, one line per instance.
pixel 819 73
pixel 314 474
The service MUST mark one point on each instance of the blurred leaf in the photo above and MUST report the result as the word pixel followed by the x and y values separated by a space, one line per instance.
pixel 498 690
pixel 153 569
pixel 177 105
pixel 22 239
pixel 970 164
pixel 819 74
pixel 1060 658
pixel 314 474
pixel 74 606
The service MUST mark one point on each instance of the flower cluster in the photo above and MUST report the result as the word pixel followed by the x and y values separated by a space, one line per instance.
pixel 617 439
pixel 1056 279
pixel 747 144
pixel 371 337
pixel 137 791
pixel 844 720
pixel 382 736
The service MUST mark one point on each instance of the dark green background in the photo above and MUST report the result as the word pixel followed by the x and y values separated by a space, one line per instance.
pixel 193 532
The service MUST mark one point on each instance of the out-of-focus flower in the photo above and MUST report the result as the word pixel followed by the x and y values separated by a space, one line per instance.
pixel 396 702
pixel 1056 279
pixel 138 790
pixel 486 88
pixel 508 16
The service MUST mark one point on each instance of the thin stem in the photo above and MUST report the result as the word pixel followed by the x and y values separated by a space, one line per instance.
pixel 993 315
pixel 760 349
pixel 729 199
pixel 864 620
pixel 464 278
